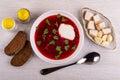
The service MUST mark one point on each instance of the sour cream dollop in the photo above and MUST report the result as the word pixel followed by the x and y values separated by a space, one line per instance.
pixel 67 31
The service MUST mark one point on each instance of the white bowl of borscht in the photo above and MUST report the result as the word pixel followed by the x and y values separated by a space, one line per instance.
pixel 57 37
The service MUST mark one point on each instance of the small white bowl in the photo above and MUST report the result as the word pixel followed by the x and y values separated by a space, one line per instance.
pixel 70 16
pixel 12 29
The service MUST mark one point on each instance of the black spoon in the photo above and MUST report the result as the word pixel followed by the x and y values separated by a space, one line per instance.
pixel 90 58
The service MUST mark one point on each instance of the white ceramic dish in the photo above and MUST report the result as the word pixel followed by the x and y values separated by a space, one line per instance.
pixel 112 45
pixel 55 12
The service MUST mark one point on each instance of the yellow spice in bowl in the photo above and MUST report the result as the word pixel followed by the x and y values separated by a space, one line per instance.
pixel 23 14
pixel 8 23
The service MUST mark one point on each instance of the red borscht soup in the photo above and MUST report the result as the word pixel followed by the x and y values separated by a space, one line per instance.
pixel 49 41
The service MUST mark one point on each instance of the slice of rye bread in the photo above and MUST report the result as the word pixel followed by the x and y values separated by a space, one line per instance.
pixel 16 44
pixel 22 56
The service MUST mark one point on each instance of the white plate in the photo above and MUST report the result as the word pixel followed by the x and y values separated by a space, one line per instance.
pixel 42 17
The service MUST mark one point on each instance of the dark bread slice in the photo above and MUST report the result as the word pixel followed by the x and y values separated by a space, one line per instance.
pixel 22 56
pixel 16 44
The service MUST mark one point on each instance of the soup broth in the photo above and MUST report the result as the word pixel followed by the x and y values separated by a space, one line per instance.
pixel 50 43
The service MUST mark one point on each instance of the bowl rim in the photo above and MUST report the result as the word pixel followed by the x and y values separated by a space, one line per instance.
pixel 80 30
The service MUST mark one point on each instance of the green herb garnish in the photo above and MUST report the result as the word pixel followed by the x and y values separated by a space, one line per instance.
pixel 60 52
pixel 58 15
pixel 58 48
pixel 66 41
pixel 43 36
pixel 55 37
pixel 48 22
pixel 54 31
pixel 38 43
pixel 63 19
pixel 37 28
pixel 56 24
pixel 74 47
pixel 58 56
pixel 52 42
pixel 66 47
pixel 46 31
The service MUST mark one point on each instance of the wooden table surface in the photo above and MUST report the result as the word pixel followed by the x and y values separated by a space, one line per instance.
pixel 107 69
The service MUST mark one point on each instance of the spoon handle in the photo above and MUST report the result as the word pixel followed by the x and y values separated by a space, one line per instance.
pixel 49 70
